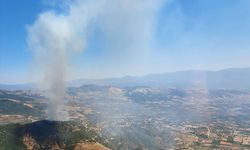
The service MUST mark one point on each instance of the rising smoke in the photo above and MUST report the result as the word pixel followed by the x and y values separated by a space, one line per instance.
pixel 128 26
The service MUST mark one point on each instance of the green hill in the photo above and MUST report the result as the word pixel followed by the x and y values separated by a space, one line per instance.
pixel 46 135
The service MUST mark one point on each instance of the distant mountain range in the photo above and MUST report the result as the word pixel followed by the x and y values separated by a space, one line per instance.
pixel 24 86
pixel 233 78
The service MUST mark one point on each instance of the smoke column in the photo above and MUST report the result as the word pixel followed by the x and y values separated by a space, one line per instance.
pixel 54 36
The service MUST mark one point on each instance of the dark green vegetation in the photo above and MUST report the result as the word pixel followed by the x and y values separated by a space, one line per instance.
pixel 46 135
pixel 20 103
pixel 13 108
pixel 9 139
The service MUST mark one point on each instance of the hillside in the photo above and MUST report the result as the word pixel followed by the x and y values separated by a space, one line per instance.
pixel 48 135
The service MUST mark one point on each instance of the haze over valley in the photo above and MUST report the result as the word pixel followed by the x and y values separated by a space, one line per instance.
pixel 124 75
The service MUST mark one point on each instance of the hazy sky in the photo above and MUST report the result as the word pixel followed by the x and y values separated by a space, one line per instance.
pixel 135 37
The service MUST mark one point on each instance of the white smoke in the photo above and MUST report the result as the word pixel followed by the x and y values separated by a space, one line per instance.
pixel 126 24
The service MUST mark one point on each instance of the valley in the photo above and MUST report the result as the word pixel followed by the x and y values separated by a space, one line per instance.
pixel 138 117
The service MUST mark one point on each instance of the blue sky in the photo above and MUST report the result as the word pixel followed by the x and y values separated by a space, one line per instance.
pixel 187 34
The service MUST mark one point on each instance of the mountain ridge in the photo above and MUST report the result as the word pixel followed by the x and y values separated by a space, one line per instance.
pixel 238 78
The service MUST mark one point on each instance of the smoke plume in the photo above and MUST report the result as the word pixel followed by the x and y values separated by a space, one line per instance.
pixel 127 26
